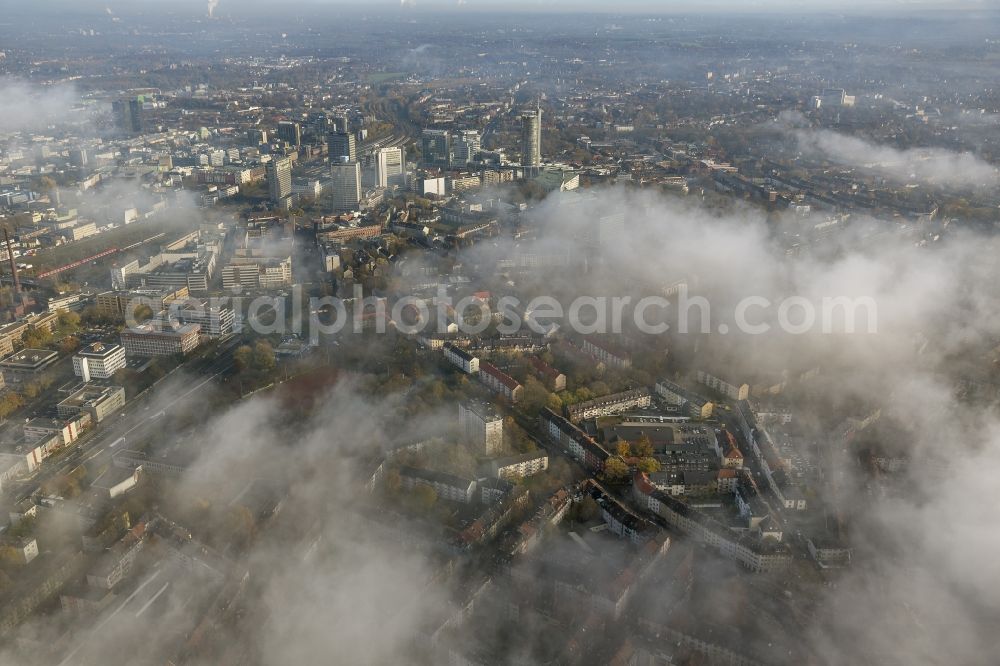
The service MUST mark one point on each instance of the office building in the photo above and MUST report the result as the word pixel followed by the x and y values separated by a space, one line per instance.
pixel 390 167
pixel 123 304
pixel 255 137
pixel 158 339
pixel 318 123
pixel 436 147
pixel 214 321
pixel 279 178
pixel 345 187
pixel 79 157
pixel 253 272
pixel 128 115
pixel 531 139
pixel 188 262
pixel 65 430
pixel 98 401
pixel 98 361
pixel 342 124
pixel 27 365
pixel 465 147
pixel 290 133
pixel 341 145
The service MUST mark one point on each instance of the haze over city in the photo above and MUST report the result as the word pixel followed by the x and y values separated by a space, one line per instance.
pixel 488 332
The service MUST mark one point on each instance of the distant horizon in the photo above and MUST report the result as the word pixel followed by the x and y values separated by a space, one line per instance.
pixel 593 7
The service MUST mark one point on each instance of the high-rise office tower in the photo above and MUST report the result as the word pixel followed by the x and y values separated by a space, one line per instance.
pixel 79 157
pixel 390 167
pixel 531 138
pixel 369 171
pixel 341 145
pixel 341 124
pixel 128 115
pixel 319 124
pixel 135 115
pixel 346 185
pixel 255 137
pixel 279 178
pixel 465 147
pixel 436 146
pixel 290 133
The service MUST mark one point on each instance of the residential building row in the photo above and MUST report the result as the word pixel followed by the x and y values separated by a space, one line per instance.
pixel 615 403
pixel 580 445
pixel 500 382
pixel 755 553
pixel 696 406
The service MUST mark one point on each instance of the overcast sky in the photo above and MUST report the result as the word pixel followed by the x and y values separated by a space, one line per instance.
pixel 673 5
pixel 610 6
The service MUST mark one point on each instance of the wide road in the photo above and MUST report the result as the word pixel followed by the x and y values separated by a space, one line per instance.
pixel 142 416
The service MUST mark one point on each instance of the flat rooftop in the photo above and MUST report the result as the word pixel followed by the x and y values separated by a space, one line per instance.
pixel 29 359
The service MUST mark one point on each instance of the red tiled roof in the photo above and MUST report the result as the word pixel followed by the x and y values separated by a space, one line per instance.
pixel 501 376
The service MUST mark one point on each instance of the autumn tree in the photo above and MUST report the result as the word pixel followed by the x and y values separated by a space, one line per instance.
pixel 585 510
pixel 393 481
pixel 615 469
pixel 243 357
pixel 37 338
pixel 643 447
pixel 10 402
pixel 263 356
pixel 648 465
pixel 424 496
pixel 68 345
pixel 535 397
pixel 69 322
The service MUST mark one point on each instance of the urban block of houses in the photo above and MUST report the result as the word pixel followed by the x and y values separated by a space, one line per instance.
pixel 580 445
pixel 755 553
pixel 552 379
pixel 607 354
pixel 693 404
pixel 493 490
pixel 620 520
pixel 466 362
pixel 731 388
pixel 116 564
pixel 520 466
pixel 500 382
pixel 615 403
pixel 497 515
pixel 447 486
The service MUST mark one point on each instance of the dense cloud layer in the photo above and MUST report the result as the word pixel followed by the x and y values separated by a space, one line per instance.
pixel 25 107
pixel 351 586
pixel 932 166
pixel 923 554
